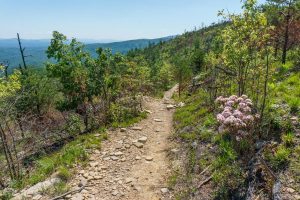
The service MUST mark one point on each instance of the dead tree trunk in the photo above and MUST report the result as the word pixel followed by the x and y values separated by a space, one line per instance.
pixel 6 71
pixel 288 19
pixel 16 163
pixel 22 51
pixel 265 88
pixel 19 122
pixel 286 39
pixel 8 155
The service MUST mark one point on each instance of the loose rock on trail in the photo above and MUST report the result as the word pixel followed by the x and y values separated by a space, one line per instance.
pixel 133 163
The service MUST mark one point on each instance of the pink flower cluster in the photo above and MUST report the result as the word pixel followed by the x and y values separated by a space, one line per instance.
pixel 236 116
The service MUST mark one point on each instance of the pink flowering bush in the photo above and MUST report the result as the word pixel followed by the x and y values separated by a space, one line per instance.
pixel 236 115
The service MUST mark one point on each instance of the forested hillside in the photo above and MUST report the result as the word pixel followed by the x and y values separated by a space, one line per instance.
pixel 36 56
pixel 239 133
pixel 236 124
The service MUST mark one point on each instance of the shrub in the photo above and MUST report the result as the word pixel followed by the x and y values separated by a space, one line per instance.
pixel 104 136
pixel 285 68
pixel 280 118
pixel 245 147
pixel 209 121
pixel 288 139
pixel 188 136
pixel 228 179
pixel 125 115
pixel 236 116
pixel 280 158
pixel 6 195
pixel 227 154
pixel 74 124
pixel 206 135
pixel 294 103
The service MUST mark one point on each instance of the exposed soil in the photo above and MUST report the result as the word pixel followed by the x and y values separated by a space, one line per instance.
pixel 125 170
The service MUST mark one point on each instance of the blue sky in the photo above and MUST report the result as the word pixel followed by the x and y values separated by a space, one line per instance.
pixel 108 19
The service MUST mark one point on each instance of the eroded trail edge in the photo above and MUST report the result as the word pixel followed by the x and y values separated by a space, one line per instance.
pixel 133 163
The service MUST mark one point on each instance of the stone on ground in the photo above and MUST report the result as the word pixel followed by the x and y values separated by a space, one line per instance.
pixel 138 158
pixel 114 158
pixel 148 111
pixel 119 153
pixel 115 193
pixel 169 107
pixel 149 158
pixel 123 129
pixel 143 140
pixel 129 180
pixel 164 190
pixel 137 128
pixel 138 144
pixel 34 190
pixel 181 104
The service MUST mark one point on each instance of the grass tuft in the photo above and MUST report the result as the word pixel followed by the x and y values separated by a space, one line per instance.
pixel 63 173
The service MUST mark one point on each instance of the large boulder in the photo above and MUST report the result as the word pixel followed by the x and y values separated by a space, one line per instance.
pixel 36 189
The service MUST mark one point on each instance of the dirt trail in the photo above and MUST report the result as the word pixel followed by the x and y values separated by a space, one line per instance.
pixel 125 170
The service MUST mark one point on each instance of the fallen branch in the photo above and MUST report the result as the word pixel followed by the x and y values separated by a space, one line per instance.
pixel 71 192
pixel 226 71
pixel 277 185
pixel 204 182
pixel 205 169
pixel 268 168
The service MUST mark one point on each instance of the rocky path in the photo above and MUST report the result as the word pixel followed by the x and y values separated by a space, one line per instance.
pixel 133 163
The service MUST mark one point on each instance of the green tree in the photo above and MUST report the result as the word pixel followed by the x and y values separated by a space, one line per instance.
pixel 39 94
pixel 283 14
pixel 69 69
pixel 244 40
pixel 197 58
pixel 165 76
pixel 83 78
pixel 181 71
pixel 9 89
pixel 108 78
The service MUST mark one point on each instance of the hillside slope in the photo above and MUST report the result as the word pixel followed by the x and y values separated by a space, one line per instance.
pixel 35 49
pixel 125 46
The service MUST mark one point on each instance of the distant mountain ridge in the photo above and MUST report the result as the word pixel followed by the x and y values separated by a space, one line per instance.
pixel 125 46
pixel 13 42
pixel 9 50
